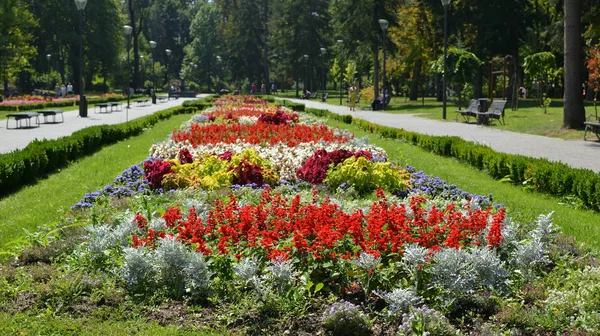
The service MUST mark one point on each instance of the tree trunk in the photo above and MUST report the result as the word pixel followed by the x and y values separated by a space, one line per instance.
pixel 574 112
pixel 266 47
pixel 439 91
pixel 414 86
pixel 478 84
pixel 375 71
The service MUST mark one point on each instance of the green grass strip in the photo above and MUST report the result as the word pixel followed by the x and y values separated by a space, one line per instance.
pixel 46 200
pixel 522 205
pixel 23 324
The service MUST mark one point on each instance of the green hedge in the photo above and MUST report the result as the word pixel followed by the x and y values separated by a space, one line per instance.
pixel 41 157
pixel 541 175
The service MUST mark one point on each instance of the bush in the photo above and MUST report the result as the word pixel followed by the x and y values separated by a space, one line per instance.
pixel 345 318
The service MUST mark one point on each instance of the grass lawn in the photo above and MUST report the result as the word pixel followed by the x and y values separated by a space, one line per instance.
pixel 521 204
pixel 45 201
pixel 528 118
pixel 23 324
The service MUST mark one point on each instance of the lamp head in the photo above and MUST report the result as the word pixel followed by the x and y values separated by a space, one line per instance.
pixel 446 2
pixel 306 57
pixel 340 41
pixel 168 51
pixel 383 23
pixel 127 29
pixel 152 44
pixel 80 4
pixel 323 51
pixel 48 57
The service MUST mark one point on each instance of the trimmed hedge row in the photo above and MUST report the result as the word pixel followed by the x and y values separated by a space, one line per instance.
pixel 41 157
pixel 51 104
pixel 541 175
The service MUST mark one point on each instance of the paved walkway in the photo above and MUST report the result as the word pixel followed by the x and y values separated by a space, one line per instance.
pixel 575 153
pixel 11 139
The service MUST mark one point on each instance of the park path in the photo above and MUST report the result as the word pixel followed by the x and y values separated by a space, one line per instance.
pixel 575 153
pixel 12 139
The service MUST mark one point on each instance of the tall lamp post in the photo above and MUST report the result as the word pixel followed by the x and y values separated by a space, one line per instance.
pixel 219 60
pixel 384 26
pixel 340 63
pixel 152 47
pixel 168 52
pixel 48 57
pixel 445 3
pixel 82 103
pixel 305 72
pixel 142 70
pixel 323 52
pixel 127 30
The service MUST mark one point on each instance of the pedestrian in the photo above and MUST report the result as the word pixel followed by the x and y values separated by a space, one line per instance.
pixel 63 90
pixel 273 89
pixel 353 93
pixel 253 88
pixel 262 89
pixel 69 89
pixel 56 90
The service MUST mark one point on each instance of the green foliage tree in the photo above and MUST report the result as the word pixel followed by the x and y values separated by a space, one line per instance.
pixel 461 66
pixel 207 42
pixel 541 68
pixel 16 51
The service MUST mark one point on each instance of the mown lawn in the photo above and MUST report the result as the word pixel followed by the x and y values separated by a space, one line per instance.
pixel 47 200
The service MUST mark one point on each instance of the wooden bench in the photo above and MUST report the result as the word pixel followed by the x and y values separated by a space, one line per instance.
pixel 162 98
pixel 142 102
pixel 115 106
pixel 19 117
pixel 101 106
pixel 52 113
pixel 592 126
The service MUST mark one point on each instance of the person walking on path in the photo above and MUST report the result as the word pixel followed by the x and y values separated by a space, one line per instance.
pixel 69 89
pixel 352 93
pixel 262 89
pixel 253 88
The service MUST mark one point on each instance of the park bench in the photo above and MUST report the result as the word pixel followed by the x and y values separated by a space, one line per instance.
pixel 313 95
pixel 593 126
pixel 470 111
pixel 101 106
pixel 496 111
pixel 19 117
pixel 115 106
pixel 52 113
pixel 162 99
pixel 142 102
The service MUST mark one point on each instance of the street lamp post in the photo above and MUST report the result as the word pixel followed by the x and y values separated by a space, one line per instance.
pixel 142 71
pixel 168 52
pixel 219 60
pixel 340 66
pixel 82 103
pixel 305 72
pixel 123 60
pixel 152 47
pixel 384 26
pixel 323 52
pixel 128 30
pixel 48 58
pixel 445 3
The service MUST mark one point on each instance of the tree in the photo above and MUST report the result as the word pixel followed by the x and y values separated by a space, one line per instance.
pixel 205 45
pixel 15 37
pixel 541 68
pixel 574 112
pixel 593 66
pixel 461 66
pixel 357 22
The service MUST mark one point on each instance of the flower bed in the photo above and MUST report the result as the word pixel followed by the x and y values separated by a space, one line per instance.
pixel 302 223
